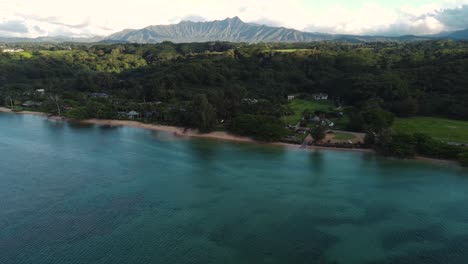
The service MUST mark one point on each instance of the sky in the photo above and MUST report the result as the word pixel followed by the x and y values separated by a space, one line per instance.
pixel 85 18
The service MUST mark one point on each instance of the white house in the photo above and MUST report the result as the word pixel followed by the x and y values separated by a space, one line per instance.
pixel 320 96
pixel 41 91
pixel 249 101
pixel 133 114
pixel 12 50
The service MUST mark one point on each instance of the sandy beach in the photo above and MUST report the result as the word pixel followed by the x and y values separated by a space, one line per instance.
pixel 217 135
pixel 7 110
pixel 179 131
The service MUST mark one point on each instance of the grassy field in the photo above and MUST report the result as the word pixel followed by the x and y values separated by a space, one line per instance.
pixel 343 136
pixel 438 128
pixel 299 105
pixel 290 50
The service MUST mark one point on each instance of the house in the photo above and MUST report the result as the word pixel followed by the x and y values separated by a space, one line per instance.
pixel 12 50
pixel 149 114
pixel 249 101
pixel 133 114
pixel 315 119
pixel 30 104
pixel 320 96
pixel 302 130
pixel 99 95
pixel 40 91
pixel 328 123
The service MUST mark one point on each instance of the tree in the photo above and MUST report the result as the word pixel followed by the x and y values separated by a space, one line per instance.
pixel 377 120
pixel 203 114
pixel 318 133
pixel 403 146
pixel 262 128
pixel 406 108
pixel 383 141
pixel 55 98
pixel 463 159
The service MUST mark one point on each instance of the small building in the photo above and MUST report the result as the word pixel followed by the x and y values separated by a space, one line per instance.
pixel 315 119
pixel 328 123
pixel 122 114
pixel 291 97
pixel 149 114
pixel 302 130
pixel 40 91
pixel 12 50
pixel 30 104
pixel 249 101
pixel 133 114
pixel 99 95
pixel 320 96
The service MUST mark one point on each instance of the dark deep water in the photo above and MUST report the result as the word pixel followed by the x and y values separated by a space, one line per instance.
pixel 93 194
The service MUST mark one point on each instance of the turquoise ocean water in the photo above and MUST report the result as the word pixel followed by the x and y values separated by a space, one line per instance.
pixel 94 194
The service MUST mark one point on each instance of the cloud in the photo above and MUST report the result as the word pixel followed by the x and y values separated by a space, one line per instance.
pixel 267 22
pixel 372 19
pixel 194 18
pixel 242 9
pixel 56 21
pixel 191 17
pixel 14 26
pixel 453 19
pixel 39 30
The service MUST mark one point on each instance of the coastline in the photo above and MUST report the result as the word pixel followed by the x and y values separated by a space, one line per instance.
pixel 216 135
pixel 7 110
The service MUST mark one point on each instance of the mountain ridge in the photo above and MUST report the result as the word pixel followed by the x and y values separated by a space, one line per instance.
pixel 232 30
pixel 235 30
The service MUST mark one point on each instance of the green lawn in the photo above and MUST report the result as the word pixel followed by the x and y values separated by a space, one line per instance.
pixel 26 54
pixel 299 105
pixel 290 50
pixel 438 128
pixel 343 136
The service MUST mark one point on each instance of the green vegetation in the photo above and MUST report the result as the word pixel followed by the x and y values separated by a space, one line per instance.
pixel 438 128
pixel 409 145
pixel 262 128
pixel 291 50
pixel 343 136
pixel 243 88
pixel 318 133
pixel 463 159
pixel 298 106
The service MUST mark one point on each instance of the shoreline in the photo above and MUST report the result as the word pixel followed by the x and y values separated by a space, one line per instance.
pixel 216 135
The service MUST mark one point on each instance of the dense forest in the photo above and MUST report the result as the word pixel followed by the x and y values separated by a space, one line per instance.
pixel 213 85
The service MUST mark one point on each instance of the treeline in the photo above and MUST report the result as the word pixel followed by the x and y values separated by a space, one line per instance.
pixel 410 145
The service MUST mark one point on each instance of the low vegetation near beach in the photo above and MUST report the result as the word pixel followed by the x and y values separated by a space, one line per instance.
pixel 298 106
pixel 447 130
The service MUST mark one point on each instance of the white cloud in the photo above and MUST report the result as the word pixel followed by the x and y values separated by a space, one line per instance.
pixel 455 18
pixel 375 20
pixel 91 17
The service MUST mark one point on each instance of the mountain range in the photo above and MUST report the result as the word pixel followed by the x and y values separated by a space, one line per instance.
pixel 234 30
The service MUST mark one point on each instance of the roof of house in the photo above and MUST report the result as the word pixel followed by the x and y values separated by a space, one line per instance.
pixel 31 103
pixel 99 95
pixel 133 113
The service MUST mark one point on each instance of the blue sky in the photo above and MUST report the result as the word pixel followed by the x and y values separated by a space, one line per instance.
pixel 32 18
